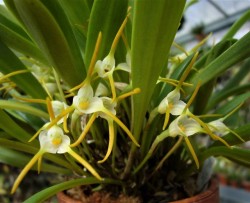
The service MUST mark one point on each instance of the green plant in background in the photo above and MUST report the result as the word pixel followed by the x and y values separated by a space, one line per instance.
pixel 87 89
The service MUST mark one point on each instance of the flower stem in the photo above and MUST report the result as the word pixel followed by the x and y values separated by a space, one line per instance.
pixel 12 74
pixel 157 140
pixel 177 144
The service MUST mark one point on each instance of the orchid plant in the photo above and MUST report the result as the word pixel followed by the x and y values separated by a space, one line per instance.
pixel 91 88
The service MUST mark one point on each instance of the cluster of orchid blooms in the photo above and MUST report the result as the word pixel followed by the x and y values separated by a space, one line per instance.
pixel 92 104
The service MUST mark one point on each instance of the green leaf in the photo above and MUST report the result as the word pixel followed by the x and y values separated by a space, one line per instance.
pixel 18 159
pixel 49 192
pixel 221 96
pixel 232 87
pixel 60 15
pixel 237 154
pixel 13 129
pixel 20 44
pixel 236 53
pixel 7 19
pixel 154 27
pixel 23 107
pixel 237 25
pixel 232 104
pixel 239 76
pixel 206 90
pixel 10 63
pixel 46 32
pixel 6 13
pixel 22 147
pixel 16 38
pixel 106 17
pixel 78 12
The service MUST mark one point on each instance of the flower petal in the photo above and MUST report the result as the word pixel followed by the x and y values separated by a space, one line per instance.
pixel 174 96
pixel 218 126
pixel 105 66
pixel 174 128
pixel 177 108
pixel 163 106
pixel 54 141
pixel 64 146
pixel 191 126
pixel 86 91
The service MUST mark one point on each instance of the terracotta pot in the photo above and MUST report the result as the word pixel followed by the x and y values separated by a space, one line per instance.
pixel 211 195
pixel 63 198
pixel 246 185
pixel 222 179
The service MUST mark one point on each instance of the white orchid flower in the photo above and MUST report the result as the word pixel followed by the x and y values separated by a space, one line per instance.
pixel 171 104
pixel 105 67
pixel 53 141
pixel 101 90
pixel 86 103
pixel 219 128
pixel 125 66
pixel 58 107
pixel 185 126
pixel 109 105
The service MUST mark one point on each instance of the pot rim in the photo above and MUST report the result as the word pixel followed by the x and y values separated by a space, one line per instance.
pixel 211 193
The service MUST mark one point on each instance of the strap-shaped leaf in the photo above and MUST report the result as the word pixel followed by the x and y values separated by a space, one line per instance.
pixel 232 104
pixel 106 17
pixel 154 27
pixel 78 12
pixel 7 19
pixel 18 159
pixel 236 53
pixel 240 155
pixel 213 101
pixel 49 192
pixel 20 44
pixel 232 87
pixel 238 77
pixel 60 15
pixel 206 90
pixel 23 147
pixel 48 35
pixel 10 63
pixel 5 104
pixel 237 25
pixel 13 129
